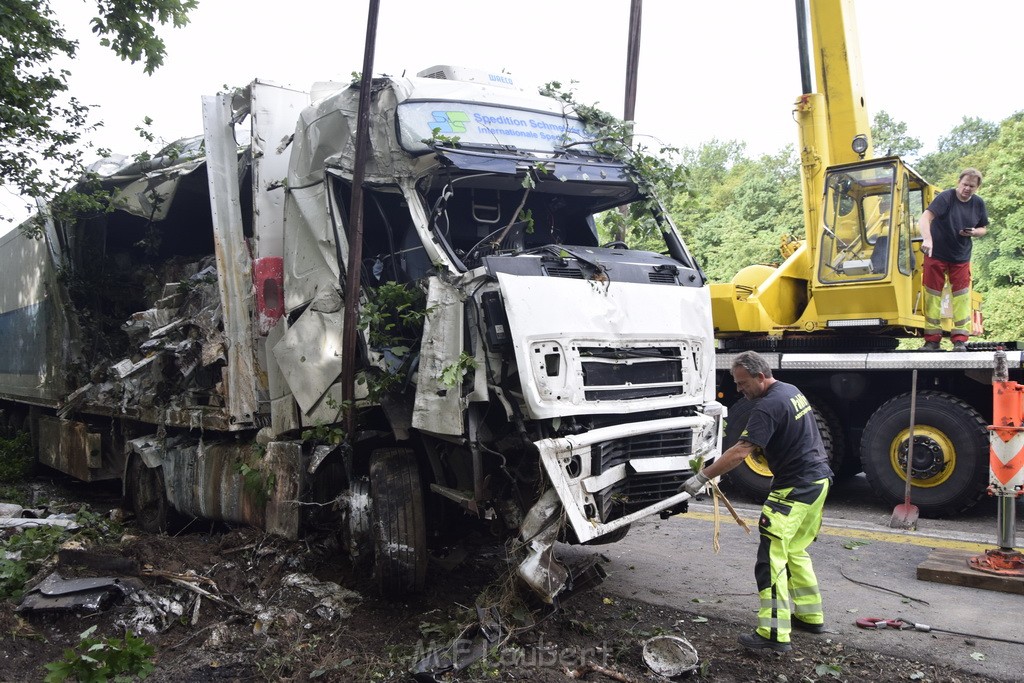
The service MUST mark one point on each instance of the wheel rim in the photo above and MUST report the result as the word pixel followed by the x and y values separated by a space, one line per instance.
pixel 758 465
pixel 934 456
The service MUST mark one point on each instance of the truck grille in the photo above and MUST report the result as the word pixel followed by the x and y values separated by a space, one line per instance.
pixel 571 273
pixel 608 454
pixel 631 373
pixel 639 490
pixel 662 278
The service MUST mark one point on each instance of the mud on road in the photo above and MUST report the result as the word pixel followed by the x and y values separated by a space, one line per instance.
pixel 227 604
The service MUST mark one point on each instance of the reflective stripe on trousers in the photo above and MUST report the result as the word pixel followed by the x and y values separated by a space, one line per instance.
pixel 933 280
pixel 790 520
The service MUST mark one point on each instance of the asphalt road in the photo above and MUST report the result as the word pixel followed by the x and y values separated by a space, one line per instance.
pixel 865 569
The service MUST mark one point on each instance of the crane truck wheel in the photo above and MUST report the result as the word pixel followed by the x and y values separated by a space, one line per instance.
pixel 397 522
pixel 753 476
pixel 950 457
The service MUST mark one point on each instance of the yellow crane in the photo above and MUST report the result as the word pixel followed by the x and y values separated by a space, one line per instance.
pixel 858 270
pixel 829 317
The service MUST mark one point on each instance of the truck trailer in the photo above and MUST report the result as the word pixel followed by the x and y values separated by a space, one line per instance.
pixel 510 369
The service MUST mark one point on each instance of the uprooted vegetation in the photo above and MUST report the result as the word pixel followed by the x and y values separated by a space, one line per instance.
pixel 227 604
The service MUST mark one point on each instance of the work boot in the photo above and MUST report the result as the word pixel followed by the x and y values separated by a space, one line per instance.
pixel 755 641
pixel 931 346
pixel 802 625
pixel 959 346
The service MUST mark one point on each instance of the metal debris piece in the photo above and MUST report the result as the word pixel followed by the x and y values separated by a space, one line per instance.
pixel 470 646
pixel 333 599
pixel 55 594
pixel 28 523
pixel 670 656
pixel 9 510
pixel 540 570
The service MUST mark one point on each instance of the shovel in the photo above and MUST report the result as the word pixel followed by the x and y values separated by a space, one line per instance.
pixel 904 515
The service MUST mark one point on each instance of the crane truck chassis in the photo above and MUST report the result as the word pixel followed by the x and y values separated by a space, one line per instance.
pixel 829 317
pixel 510 369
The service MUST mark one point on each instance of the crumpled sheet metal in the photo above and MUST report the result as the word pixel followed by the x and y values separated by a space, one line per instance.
pixel 332 599
pixel 540 570
pixel 470 646
pixel 309 355
pixel 438 407
pixel 57 594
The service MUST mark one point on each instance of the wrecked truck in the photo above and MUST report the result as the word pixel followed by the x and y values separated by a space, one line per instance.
pixel 510 368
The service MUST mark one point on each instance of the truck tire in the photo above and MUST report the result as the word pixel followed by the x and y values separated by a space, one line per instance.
pixel 753 476
pixel 398 522
pixel 148 497
pixel 841 457
pixel 950 453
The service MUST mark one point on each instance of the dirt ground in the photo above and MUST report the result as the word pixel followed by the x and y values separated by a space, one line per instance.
pixel 223 604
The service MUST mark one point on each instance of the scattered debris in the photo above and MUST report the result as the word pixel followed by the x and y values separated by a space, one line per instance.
pixel 670 656
pixel 470 646
pixel 333 599
pixel 56 594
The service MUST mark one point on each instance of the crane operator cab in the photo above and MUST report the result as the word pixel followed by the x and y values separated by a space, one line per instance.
pixel 860 228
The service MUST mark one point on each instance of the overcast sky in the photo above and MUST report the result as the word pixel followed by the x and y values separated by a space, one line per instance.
pixel 725 69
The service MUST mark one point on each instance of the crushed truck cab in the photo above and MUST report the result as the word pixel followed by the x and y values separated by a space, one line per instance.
pixel 510 368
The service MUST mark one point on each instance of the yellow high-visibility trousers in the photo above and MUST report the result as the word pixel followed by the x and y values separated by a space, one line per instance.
pixel 790 520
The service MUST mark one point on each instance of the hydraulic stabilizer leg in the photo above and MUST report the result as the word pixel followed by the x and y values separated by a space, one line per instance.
pixel 1006 469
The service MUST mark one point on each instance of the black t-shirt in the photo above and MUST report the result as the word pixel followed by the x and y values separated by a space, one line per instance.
pixel 783 425
pixel 952 216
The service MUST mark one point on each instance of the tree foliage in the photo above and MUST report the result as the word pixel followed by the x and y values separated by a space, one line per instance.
pixel 41 123
pixel 890 137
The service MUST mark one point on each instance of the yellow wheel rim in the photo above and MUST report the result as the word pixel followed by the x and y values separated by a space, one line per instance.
pixel 758 465
pixel 934 456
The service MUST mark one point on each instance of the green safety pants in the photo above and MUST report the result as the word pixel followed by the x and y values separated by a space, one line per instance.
pixel 790 520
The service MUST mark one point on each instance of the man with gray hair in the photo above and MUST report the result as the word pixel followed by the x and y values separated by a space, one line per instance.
pixel 783 426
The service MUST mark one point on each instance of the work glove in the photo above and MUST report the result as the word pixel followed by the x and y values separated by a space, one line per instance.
pixel 694 484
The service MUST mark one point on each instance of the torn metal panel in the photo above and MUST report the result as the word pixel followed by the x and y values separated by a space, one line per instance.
pixel 310 242
pixel 540 570
pixel 309 355
pixel 274 110
pixel 438 408
pixel 234 265
pixel 568 462
pixel 57 594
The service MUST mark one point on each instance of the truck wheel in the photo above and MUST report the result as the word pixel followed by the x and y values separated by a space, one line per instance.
pixel 950 453
pixel 841 460
pixel 753 476
pixel 148 497
pixel 397 520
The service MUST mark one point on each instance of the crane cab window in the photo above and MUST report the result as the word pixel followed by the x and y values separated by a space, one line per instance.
pixel 857 225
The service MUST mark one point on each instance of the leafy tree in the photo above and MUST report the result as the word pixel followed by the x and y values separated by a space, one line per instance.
pixel 41 124
pixel 960 148
pixel 742 209
pixel 890 137
pixel 999 256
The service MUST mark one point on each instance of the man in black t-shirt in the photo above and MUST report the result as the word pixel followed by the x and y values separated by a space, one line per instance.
pixel 948 226
pixel 783 426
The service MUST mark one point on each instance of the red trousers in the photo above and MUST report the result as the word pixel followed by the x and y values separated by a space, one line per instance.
pixel 934 280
